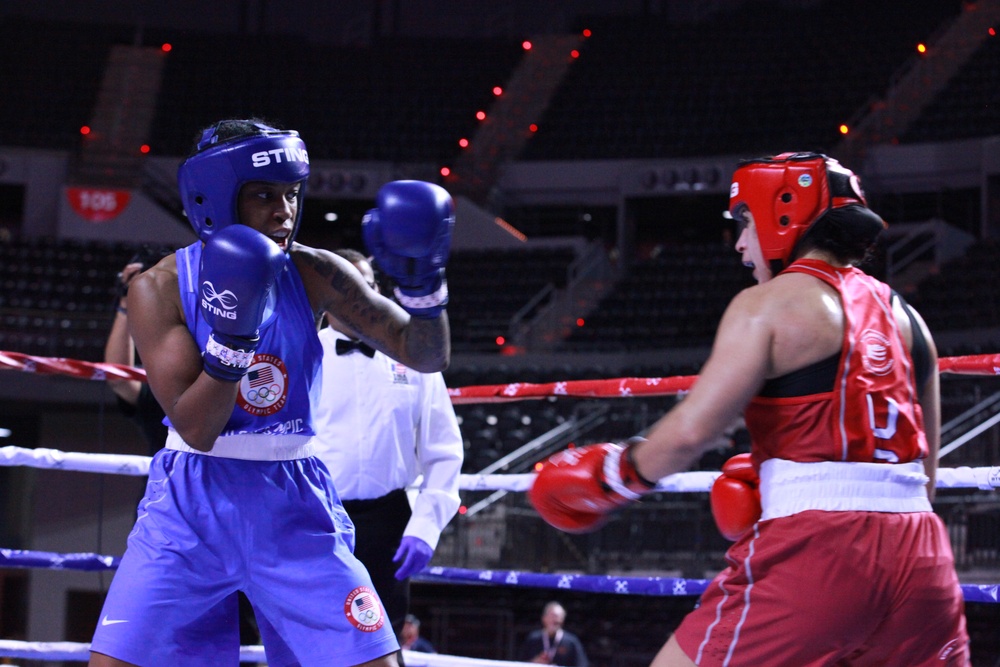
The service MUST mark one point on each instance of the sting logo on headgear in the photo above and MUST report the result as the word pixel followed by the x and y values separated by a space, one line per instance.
pixel 786 194
pixel 220 304
pixel 210 180
pixel 279 155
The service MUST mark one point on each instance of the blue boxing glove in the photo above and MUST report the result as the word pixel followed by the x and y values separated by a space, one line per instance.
pixel 409 235
pixel 415 554
pixel 238 268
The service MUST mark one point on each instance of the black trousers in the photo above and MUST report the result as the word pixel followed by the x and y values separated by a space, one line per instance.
pixel 379 524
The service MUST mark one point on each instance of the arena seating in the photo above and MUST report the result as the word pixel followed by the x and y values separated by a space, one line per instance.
pixel 955 298
pixel 730 84
pixel 51 73
pixel 691 90
pixel 403 100
pixel 488 287
pixel 57 296
pixel 672 300
pixel 969 106
pixel 406 100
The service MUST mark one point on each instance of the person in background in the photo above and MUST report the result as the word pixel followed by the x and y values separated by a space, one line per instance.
pixel 552 644
pixel 839 557
pixel 135 400
pixel 383 428
pixel 237 500
pixel 410 639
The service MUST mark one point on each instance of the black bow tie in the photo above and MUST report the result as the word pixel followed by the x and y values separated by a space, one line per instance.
pixel 347 346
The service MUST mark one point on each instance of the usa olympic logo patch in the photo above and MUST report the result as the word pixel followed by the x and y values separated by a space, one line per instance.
pixel 364 610
pixel 264 389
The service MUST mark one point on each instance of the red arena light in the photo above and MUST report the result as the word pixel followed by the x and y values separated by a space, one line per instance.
pixel 463 142
pixel 445 171
pixel 574 54
pixel 844 129
pixel 462 509
pixel 526 45
pixel 167 47
pixel 501 340
pixel 85 129
pixel 480 115
pixel 498 91
pixel 144 148
pixel 586 32
pixel 533 127
pixel 992 32
pixel 579 322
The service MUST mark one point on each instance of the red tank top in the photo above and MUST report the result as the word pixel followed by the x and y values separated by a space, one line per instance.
pixel 871 414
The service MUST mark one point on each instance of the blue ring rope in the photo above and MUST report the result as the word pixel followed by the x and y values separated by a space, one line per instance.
pixel 588 583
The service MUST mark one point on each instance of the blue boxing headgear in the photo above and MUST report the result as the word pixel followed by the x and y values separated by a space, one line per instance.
pixel 210 180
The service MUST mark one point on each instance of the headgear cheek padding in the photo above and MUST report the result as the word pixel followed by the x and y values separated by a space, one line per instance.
pixel 210 180
pixel 787 193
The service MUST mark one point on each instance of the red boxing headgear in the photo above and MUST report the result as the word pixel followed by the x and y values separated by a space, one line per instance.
pixel 787 193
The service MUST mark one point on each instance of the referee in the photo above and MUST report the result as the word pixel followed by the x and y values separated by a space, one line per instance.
pixel 381 427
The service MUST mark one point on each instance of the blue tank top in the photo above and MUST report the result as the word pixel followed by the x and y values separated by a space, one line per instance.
pixel 274 396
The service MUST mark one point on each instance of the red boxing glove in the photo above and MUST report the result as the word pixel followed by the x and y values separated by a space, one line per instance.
pixel 577 489
pixel 735 497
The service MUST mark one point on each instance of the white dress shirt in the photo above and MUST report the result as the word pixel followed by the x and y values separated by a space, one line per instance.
pixel 380 426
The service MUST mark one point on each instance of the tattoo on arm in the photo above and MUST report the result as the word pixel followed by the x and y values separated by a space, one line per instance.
pixel 421 344
pixel 352 303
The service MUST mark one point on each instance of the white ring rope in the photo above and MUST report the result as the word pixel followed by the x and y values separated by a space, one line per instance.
pixel 80 652
pixel 964 477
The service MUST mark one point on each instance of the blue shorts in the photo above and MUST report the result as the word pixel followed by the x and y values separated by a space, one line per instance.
pixel 210 526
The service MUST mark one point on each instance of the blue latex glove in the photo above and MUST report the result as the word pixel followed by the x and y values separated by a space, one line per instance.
pixel 415 554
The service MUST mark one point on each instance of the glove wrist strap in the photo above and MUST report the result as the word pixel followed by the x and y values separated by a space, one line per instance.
pixel 630 472
pixel 228 359
pixel 621 477
pixel 435 299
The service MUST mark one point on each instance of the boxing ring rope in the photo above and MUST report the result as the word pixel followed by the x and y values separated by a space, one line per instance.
pixel 963 477
pixel 975 364
pixel 984 478
pixel 80 652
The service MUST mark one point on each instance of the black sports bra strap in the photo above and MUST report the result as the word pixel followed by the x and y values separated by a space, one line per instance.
pixel 920 350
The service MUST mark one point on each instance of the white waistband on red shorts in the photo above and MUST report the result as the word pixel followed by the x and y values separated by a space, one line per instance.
pixel 790 487
pixel 250 446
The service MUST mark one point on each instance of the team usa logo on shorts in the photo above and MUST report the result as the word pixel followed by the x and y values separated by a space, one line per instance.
pixel 264 389
pixel 364 610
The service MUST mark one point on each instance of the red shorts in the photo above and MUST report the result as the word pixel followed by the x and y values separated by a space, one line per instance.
pixel 834 588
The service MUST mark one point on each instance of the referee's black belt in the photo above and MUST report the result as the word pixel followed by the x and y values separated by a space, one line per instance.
pixel 388 500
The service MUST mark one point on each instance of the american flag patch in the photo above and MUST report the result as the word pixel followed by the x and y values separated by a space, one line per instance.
pixel 363 609
pixel 261 376
pixel 399 374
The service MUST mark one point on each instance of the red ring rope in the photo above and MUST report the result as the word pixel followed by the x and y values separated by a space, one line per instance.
pixel 976 364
